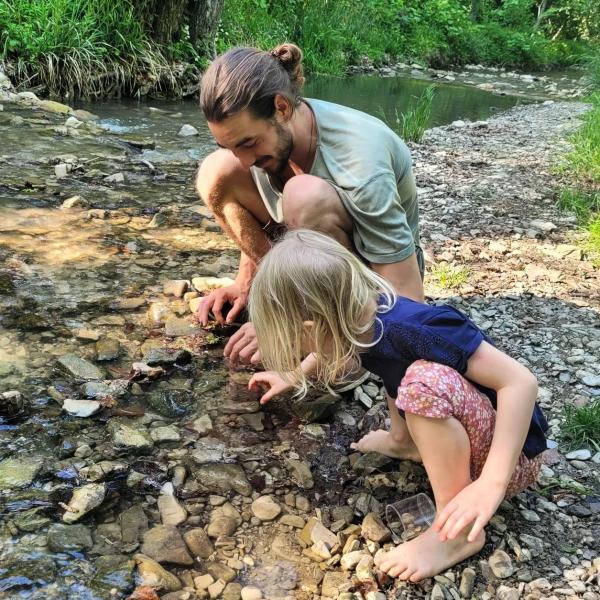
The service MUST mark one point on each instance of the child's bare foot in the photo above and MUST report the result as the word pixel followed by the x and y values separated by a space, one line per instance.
pixel 381 441
pixel 427 556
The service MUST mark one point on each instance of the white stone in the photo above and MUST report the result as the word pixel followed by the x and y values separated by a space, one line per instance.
pixel 81 408
pixel 581 454
pixel 251 593
pixel 188 130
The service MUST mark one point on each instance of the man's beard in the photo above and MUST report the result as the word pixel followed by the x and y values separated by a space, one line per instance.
pixel 281 156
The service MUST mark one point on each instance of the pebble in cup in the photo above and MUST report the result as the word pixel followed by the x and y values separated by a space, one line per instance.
pixel 409 517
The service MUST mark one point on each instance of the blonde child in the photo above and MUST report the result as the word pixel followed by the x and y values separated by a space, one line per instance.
pixel 318 310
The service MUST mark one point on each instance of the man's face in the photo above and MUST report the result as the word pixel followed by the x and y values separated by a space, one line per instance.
pixel 263 143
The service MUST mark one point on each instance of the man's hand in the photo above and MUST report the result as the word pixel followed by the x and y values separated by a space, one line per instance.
pixel 477 502
pixel 271 381
pixel 234 294
pixel 243 345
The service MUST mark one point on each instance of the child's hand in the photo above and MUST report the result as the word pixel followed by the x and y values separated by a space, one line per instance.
pixel 271 381
pixel 477 502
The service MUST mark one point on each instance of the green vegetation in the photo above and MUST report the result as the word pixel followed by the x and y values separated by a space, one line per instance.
pixel 412 122
pixel 101 47
pixel 581 425
pixel 582 168
pixel 450 277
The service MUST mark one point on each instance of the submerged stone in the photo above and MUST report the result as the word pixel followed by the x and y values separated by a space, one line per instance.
pixel 221 478
pixel 81 408
pixel 132 438
pixel 79 368
pixel 117 388
pixel 113 572
pixel 153 575
pixel 107 349
pixel 67 538
pixel 84 500
pixel 165 544
pixel 19 472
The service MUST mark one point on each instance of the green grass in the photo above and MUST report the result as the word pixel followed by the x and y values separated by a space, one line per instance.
pixel 581 426
pixel 450 277
pixel 410 124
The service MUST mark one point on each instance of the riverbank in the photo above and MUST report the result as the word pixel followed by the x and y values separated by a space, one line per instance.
pixel 103 248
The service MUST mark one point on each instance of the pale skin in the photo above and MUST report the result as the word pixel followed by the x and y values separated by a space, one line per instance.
pixel 226 186
pixel 463 506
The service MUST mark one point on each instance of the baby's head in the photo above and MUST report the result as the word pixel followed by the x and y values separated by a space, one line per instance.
pixel 310 294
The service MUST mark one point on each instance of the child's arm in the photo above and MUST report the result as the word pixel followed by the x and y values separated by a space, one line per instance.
pixel 516 389
pixel 277 384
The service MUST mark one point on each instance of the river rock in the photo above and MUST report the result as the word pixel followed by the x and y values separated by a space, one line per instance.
pixel 351 559
pixel 132 438
pixel 501 564
pixel 222 527
pixel 153 575
pixel 11 403
pixel 198 543
pixel 166 356
pixel 175 287
pixel 74 202
pixel 467 582
pixel 265 508
pixel 114 572
pixel 84 115
pixel 188 130
pixel 100 390
pixel 364 569
pixel 207 284
pixel 335 583
pixel 27 98
pixel 79 368
pixel 222 478
pixel 180 327
pixel 107 349
pixel 103 469
pixel 81 408
pixel 54 107
pixel 203 425
pixel 165 544
pixel 133 523
pixel 507 593
pixel 216 589
pixel 250 592
pixel 374 529
pixel 314 531
pixel 84 500
pixel 69 538
pixel 20 471
pixel 582 454
pixel 115 178
pixel 168 433
pixel 220 571
pixel 171 512
pixel 300 472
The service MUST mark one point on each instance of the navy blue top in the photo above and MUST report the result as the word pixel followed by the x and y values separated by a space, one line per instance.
pixel 410 331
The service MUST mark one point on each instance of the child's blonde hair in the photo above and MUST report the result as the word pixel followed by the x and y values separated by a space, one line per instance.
pixel 308 276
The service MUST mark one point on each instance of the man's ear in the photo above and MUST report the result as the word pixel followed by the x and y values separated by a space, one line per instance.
pixel 283 108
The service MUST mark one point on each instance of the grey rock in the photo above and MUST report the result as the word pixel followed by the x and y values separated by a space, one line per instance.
pixel 151 574
pixel 222 478
pixel 68 538
pixel 165 544
pixel 266 508
pixel 84 500
pixel 198 542
pixel 132 438
pixel 20 471
pixel 507 593
pixel 133 523
pixel 374 529
pixel 300 472
pixel 166 356
pixel 100 390
pixel 582 454
pixel 501 564
pixel 107 349
pixel 180 327
pixel 81 408
pixel 79 368
pixel 188 130
pixel 467 582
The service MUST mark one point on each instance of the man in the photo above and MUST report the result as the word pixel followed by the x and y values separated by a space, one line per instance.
pixel 286 161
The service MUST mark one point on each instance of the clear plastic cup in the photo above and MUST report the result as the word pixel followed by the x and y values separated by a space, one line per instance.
pixel 409 517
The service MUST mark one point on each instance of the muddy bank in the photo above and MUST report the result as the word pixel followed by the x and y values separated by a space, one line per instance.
pixel 131 453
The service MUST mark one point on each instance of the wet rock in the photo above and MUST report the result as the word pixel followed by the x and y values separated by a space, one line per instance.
pixel 31 520
pixel 115 178
pixel 370 462
pixel 207 284
pixel 171 512
pixel 180 327
pixel 501 564
pixel 103 469
pixel 187 130
pixel 54 107
pixel 314 532
pixel 113 572
pixel 351 559
pixel 79 368
pixel 19 471
pixel 165 544
pixel 168 433
pixel 100 390
pixel 84 500
pixel 203 425
pixel 222 478
pixel 12 403
pixel 132 438
pixel 374 529
pixel 88 334
pixel 69 538
pixel 222 527
pixel 300 472
pixel 175 287
pixel 203 581
pixel 232 591
pixel 198 543
pixel 74 202
pixel 166 356
pixel 507 593
pixel 295 521
pixel 81 408
pixel 133 523
pixel 255 421
pixel 317 409
pixel 107 349
pixel 265 508
pixel 437 593
pixel 364 569
pixel 209 450
pixel 153 575
pixel 216 589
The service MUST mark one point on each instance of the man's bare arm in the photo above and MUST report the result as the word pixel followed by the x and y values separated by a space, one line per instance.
pixel 404 276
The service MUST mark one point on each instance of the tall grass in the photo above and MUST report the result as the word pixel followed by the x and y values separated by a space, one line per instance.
pixel 581 426
pixel 411 123
pixel 81 47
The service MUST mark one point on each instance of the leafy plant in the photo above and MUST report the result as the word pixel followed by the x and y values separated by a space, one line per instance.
pixel 411 123
pixel 581 426
pixel 450 277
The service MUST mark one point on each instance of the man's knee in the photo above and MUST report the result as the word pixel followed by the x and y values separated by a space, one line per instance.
pixel 309 200
pixel 216 178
